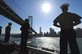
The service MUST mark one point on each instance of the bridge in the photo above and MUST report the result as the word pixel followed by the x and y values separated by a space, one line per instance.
pixel 6 11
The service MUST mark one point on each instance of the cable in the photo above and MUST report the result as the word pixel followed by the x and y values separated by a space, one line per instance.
pixel 10 13
pixel 15 8
pixel 19 7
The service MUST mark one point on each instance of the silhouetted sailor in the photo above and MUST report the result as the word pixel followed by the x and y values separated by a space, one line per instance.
pixel 0 30
pixel 24 36
pixel 66 22
pixel 7 32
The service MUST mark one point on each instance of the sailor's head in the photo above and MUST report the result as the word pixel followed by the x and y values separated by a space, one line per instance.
pixel 0 27
pixel 9 24
pixel 26 20
pixel 64 7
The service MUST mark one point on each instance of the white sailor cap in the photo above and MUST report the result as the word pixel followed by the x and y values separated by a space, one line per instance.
pixel 0 27
pixel 26 19
pixel 9 23
pixel 66 5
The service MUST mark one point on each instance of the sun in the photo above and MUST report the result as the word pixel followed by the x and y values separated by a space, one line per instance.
pixel 46 7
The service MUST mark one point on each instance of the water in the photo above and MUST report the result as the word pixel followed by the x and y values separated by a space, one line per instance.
pixel 47 42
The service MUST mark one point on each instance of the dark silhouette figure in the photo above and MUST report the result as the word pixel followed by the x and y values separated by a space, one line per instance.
pixel 24 36
pixel 0 30
pixel 7 32
pixel 66 21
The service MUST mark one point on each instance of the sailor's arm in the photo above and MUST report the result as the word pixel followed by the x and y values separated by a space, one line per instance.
pixel 76 19
pixel 76 22
pixel 55 22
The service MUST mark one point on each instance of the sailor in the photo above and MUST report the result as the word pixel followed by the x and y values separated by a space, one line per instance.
pixel 0 30
pixel 24 36
pixel 7 32
pixel 66 21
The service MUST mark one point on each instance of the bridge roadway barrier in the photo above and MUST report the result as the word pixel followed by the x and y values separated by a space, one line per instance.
pixel 36 50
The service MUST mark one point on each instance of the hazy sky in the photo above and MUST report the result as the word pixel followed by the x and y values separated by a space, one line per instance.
pixel 25 8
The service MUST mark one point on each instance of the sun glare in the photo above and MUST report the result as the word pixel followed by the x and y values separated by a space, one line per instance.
pixel 46 7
